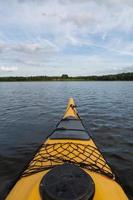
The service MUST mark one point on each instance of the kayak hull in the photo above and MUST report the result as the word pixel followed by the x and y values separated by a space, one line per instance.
pixel 72 145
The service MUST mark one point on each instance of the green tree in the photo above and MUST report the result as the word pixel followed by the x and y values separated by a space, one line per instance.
pixel 64 76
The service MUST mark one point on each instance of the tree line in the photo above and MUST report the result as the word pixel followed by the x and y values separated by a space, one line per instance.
pixel 65 77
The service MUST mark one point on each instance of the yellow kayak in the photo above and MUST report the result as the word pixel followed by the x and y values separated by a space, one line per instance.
pixel 68 166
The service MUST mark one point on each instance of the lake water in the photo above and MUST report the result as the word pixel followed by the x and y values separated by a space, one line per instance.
pixel 30 110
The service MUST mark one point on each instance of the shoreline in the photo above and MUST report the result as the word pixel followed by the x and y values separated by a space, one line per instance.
pixel 13 81
pixel 111 77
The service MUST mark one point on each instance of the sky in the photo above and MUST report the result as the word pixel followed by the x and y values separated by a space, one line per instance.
pixel 74 37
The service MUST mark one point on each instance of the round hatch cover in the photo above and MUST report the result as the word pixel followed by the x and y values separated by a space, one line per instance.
pixel 67 182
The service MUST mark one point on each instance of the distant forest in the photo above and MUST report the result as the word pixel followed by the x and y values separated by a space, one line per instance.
pixel 65 77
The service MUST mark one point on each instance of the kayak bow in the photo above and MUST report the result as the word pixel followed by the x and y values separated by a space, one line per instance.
pixel 68 166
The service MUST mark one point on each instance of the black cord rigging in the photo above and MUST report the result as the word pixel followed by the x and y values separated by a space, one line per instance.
pixel 85 156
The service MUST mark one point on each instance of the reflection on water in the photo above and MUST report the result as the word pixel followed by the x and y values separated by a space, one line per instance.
pixel 29 112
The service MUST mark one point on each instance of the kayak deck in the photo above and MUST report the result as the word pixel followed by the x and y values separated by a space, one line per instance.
pixel 81 154
pixel 68 143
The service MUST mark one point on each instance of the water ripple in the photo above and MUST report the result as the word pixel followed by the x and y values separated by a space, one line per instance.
pixel 29 112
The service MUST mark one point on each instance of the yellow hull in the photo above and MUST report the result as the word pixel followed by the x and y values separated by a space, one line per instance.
pixel 66 149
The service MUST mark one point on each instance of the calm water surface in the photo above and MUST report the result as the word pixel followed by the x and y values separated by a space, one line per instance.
pixel 30 110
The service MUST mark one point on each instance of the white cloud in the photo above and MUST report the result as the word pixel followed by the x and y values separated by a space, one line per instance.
pixel 88 16
pixel 8 69
pixel 44 45
pixel 46 33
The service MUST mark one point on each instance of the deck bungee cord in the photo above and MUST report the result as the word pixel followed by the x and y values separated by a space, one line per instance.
pixel 68 166
pixel 51 155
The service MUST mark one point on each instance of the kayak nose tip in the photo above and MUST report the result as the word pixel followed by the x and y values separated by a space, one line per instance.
pixel 71 101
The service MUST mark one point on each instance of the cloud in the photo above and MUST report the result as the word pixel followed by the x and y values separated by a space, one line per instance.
pixel 29 47
pixel 38 34
pixel 8 69
pixel 46 47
